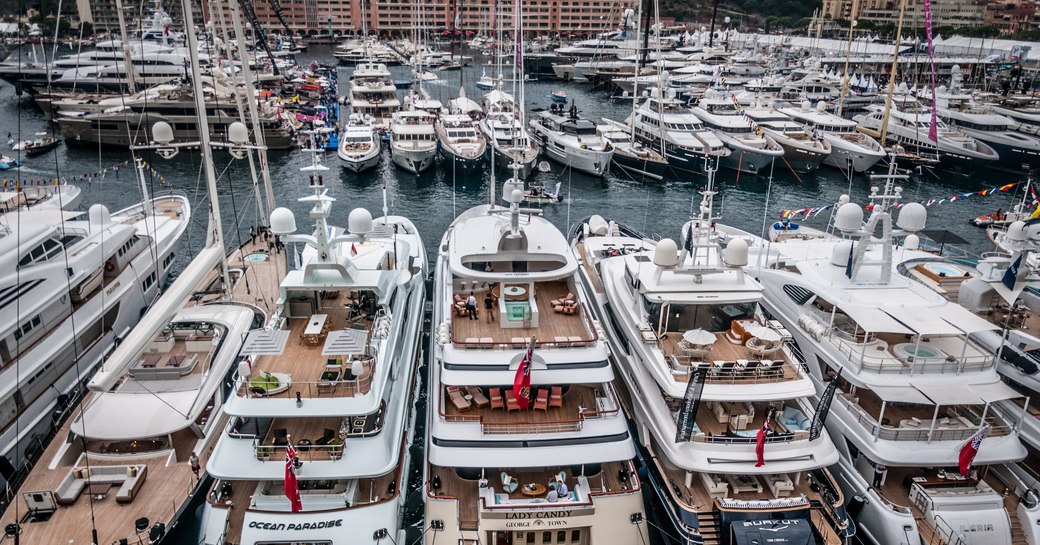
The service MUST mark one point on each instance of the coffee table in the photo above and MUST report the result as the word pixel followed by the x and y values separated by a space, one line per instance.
pixel 532 489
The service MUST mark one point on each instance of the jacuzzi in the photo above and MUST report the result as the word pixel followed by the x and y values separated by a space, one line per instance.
pixel 913 351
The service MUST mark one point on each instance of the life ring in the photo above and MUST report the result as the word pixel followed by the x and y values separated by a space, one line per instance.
pixel 109 266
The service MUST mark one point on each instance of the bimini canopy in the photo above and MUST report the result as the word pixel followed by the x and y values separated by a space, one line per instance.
pixel 901 394
pixel 874 320
pixel 923 320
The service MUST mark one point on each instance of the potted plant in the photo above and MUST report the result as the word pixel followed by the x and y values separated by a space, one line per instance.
pixel 335 446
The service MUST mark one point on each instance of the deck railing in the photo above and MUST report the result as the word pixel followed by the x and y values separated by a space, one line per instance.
pixel 590 328
pixel 490 426
pixel 683 368
pixel 857 355
pixel 891 433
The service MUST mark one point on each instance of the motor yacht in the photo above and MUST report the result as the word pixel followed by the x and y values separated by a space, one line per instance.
pixel 802 151
pixel 461 142
pixel 413 140
pixel 372 93
pixel 915 388
pixel 1017 150
pixel 75 285
pixel 526 438
pixel 326 388
pixel 850 149
pixel 665 125
pixel 572 140
pixel 732 443
pixel 359 144
pixel 752 150
pixel 630 155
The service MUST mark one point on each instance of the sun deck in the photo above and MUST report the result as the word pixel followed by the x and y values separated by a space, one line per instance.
pixel 727 361
pixel 567 325
pixel 304 368
pixel 315 439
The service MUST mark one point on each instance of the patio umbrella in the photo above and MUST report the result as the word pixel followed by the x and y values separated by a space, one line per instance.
pixel 345 341
pixel 699 337
pixel 764 333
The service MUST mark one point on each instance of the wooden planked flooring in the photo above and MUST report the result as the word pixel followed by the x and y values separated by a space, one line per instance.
pixel 550 323
pixel 574 396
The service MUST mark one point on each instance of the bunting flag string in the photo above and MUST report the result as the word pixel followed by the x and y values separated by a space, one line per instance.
pixel 89 177
pixel 804 214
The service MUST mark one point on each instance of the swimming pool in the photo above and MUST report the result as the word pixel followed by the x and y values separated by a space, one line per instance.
pixel 944 269
pixel 256 256
pixel 913 350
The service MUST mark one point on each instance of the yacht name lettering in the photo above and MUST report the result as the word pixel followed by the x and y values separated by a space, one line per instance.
pixel 537 515
pixel 977 528
pixel 279 526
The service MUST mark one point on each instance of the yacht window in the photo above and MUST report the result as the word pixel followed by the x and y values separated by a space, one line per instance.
pixel 44 251
pixel 798 294
pixel 681 317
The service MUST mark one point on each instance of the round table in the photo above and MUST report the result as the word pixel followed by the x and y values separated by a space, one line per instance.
pixel 533 489
pixel 303 445
pixel 514 293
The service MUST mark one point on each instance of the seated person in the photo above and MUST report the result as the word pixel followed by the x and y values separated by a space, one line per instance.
pixel 561 489
pixel 553 496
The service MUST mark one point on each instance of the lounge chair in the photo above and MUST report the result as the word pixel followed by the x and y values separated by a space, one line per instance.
pixel 511 404
pixel 496 398
pixel 556 396
pixel 563 300
pixel 479 399
pixel 457 399
pixel 541 403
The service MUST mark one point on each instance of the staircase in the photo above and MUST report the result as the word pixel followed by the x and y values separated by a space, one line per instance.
pixel 710 527
pixel 1018 535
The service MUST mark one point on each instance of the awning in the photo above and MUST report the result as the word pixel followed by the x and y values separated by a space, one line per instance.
pixel 950 393
pixel 265 342
pixel 965 320
pixel 922 320
pixel 116 416
pixel 874 320
pixel 901 394
pixel 995 391
pixel 345 341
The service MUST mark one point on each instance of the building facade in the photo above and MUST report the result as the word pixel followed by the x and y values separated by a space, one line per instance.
pixel 955 13
pixel 400 17
pixel 1012 16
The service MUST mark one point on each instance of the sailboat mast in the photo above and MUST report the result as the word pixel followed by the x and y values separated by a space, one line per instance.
pixel 892 73
pixel 848 53
pixel 215 234
pixel 124 44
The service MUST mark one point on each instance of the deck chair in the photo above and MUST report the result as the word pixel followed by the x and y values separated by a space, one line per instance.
pixel 281 437
pixel 556 396
pixel 511 404
pixel 541 403
pixel 329 378
pixel 479 399
pixel 497 402
pixel 458 400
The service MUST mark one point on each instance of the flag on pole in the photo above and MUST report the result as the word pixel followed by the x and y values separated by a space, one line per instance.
pixel 353 249
pixel 933 134
pixel 522 379
pixel 969 450
pixel 292 486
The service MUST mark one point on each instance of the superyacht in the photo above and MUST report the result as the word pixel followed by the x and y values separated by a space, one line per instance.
pixel 572 141
pixel 753 150
pixel 850 149
pixel 526 435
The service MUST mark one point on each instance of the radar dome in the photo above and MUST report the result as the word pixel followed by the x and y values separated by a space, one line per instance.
pixel 911 242
pixel 162 132
pixel 840 253
pixel 806 105
pixel 359 222
pixel 821 106
pixel 1033 231
pixel 912 217
pixel 98 215
pixel 282 221
pixel 238 133
pixel 666 254
pixel 509 187
pixel 1017 231
pixel 849 217
pixel 517 196
pixel 843 199
pixel 736 253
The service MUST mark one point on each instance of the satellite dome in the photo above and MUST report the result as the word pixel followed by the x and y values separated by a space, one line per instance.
pixel 806 105
pixel 840 253
pixel 911 242
pixel 912 217
pixel 282 221
pixel 98 215
pixel 1017 231
pixel 736 254
pixel 359 222
pixel 666 254
pixel 849 217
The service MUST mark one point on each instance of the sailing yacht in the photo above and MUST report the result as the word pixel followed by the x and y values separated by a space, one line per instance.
pixel 631 155
pixel 505 130
pixel 556 467
pixel 571 140
pixel 752 152
pixel 328 385
pixel 359 144
pixel 413 140
pixel 72 286
pixel 732 444
pixel 802 151
pixel 850 149
pixel 957 151
pixel 664 124
pixel 914 387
